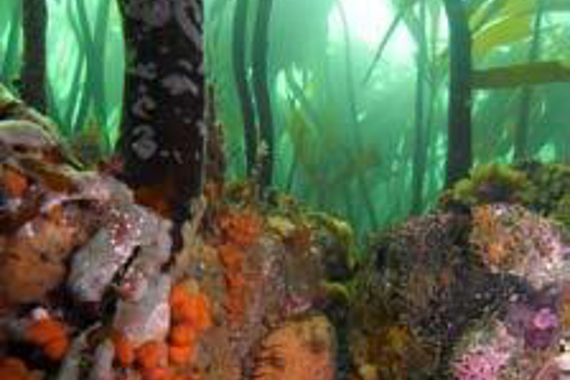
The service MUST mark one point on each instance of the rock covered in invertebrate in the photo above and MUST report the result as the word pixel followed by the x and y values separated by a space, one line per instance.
pixel 147 318
pixel 257 277
pixel 302 349
pixel 513 240
pixel 101 265
pixel 126 227
pixel 44 215
pixel 477 295
pixel 41 246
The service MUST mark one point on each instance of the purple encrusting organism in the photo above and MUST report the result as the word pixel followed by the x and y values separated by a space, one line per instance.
pixel 542 329
pixel 536 325
pixel 480 364
pixel 545 319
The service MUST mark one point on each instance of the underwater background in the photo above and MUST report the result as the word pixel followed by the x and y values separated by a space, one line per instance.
pixel 284 189
pixel 358 90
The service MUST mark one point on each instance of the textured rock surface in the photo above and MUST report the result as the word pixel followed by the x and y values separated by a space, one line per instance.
pixel 480 295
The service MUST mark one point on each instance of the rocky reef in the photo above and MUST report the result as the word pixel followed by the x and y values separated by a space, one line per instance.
pixel 91 285
pixel 95 285
pixel 476 290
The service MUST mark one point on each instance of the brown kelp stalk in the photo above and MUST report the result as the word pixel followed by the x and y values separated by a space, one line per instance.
pixel 522 130
pixel 459 150
pixel 261 90
pixel 34 70
pixel 239 47
pixel 8 63
pixel 352 108
pixel 163 131
pixel 420 135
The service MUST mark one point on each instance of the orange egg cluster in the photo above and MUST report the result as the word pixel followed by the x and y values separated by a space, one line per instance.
pixel 51 336
pixel 14 369
pixel 241 227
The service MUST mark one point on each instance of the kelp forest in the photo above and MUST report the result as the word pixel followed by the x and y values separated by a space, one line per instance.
pixel 284 190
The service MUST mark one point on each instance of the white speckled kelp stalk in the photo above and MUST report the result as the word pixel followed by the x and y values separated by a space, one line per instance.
pixel 163 129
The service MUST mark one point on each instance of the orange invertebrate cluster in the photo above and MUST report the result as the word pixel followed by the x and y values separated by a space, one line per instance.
pixel 499 246
pixel 232 258
pixel 298 350
pixel 152 356
pixel 14 369
pixel 14 183
pixel 51 336
pixel 124 350
pixel 241 227
pixel 159 360
pixel 191 315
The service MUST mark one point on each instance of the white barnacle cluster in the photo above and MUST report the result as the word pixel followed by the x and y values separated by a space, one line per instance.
pixel 203 128
pixel 143 105
pixel 188 66
pixel 144 144
pixel 188 15
pixel 155 13
pixel 145 70
pixel 177 84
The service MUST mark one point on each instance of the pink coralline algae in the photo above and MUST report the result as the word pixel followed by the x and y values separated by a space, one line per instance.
pixel 481 364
